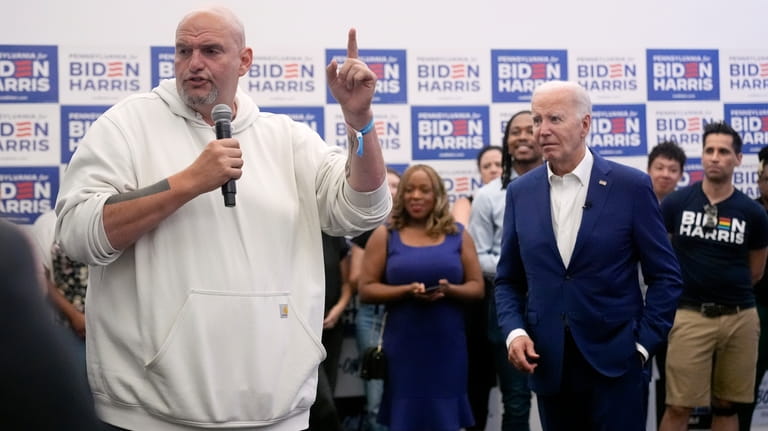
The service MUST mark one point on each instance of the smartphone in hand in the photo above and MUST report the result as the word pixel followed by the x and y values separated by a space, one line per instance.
pixel 432 288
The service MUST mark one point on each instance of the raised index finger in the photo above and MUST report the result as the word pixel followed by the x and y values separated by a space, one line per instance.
pixel 352 44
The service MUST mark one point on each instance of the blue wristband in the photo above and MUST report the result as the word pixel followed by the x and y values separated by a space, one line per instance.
pixel 359 135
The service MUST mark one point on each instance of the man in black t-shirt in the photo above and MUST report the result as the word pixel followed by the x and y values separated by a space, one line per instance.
pixel 720 237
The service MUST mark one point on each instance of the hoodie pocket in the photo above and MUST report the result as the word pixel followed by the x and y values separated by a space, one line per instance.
pixel 234 357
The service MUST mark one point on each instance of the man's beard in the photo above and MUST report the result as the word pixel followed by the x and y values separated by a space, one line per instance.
pixel 719 178
pixel 195 101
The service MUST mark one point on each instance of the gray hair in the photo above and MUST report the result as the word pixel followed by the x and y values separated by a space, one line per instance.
pixel 580 96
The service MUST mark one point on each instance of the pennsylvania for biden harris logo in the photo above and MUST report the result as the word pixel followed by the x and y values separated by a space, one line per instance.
pixel 27 192
pixel 609 76
pixel 618 130
pixel 24 136
pixel 435 75
pixel 449 132
pixel 516 73
pixel 75 122
pixel 162 63
pixel 389 67
pixel 103 72
pixel 747 72
pixel 683 127
pixel 751 121
pixel 29 74
pixel 281 74
pixel 683 74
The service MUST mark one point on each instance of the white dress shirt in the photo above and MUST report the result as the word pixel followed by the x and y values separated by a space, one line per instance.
pixel 567 195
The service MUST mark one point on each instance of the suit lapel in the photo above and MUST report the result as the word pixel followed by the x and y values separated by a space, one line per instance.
pixel 597 194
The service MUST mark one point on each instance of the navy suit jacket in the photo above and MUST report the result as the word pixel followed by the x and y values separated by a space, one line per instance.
pixel 598 295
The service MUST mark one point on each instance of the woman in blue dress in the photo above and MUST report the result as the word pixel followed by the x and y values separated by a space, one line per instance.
pixel 423 267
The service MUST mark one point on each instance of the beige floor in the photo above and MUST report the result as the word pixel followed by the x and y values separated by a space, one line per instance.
pixel 494 419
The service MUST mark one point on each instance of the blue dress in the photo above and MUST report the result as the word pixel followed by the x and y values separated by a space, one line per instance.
pixel 425 344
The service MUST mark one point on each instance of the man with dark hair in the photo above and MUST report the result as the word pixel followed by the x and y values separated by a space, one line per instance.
pixel 720 237
pixel 665 167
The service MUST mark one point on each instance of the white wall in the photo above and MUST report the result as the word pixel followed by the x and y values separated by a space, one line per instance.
pixel 406 23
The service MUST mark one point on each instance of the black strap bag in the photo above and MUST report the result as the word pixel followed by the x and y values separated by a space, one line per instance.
pixel 374 361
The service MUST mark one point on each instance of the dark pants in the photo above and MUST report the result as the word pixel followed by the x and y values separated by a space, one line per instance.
pixel 590 401
pixel 332 340
pixel 481 376
pixel 515 394
pixel 323 415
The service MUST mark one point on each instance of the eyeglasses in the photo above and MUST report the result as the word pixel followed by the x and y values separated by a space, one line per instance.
pixel 710 216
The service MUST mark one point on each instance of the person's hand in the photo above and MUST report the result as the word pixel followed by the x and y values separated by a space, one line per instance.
pixel 433 294
pixel 522 354
pixel 333 316
pixel 352 85
pixel 220 161
pixel 77 322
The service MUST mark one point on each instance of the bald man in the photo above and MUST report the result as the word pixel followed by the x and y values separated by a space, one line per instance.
pixel 203 316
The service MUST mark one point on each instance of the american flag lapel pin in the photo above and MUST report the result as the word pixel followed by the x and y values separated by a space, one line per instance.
pixel 603 182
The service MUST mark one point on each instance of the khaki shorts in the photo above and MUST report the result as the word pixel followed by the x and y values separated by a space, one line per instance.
pixel 696 342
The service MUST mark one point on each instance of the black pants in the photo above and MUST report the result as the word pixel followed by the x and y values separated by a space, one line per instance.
pixel 323 415
pixel 481 375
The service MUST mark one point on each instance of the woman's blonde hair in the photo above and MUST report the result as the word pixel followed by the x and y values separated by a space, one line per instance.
pixel 439 221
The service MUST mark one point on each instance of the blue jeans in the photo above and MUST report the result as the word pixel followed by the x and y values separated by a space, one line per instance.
pixel 515 394
pixel 367 331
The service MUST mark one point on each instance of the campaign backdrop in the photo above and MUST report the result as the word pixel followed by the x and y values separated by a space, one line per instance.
pixel 449 77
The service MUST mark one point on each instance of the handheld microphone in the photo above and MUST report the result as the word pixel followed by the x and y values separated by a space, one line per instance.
pixel 222 119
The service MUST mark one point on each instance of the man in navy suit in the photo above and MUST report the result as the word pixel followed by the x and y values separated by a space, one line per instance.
pixel 567 287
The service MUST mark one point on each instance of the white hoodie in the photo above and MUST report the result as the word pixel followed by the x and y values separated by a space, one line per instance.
pixel 213 319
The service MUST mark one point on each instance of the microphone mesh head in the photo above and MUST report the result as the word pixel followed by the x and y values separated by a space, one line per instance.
pixel 221 112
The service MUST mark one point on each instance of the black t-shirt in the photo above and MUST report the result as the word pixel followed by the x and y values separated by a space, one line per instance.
pixel 713 250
